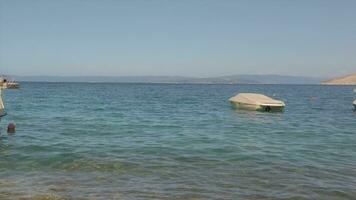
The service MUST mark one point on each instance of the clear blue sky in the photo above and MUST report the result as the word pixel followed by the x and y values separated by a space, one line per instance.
pixel 183 37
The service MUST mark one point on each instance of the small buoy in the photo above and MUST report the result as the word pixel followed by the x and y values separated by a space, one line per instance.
pixel 11 128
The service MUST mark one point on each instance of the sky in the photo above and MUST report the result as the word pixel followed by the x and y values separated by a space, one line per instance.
pixel 199 38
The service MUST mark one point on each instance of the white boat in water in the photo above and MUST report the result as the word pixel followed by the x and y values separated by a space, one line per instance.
pixel 12 85
pixel 258 102
pixel 5 84
pixel 354 104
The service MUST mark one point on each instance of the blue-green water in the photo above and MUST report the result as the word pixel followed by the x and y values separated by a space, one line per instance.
pixel 162 141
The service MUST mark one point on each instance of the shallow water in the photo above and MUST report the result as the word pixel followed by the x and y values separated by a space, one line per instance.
pixel 166 141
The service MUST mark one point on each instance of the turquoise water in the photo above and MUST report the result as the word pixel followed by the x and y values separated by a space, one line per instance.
pixel 166 141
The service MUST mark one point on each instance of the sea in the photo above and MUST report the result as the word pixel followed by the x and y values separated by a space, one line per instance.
pixel 176 142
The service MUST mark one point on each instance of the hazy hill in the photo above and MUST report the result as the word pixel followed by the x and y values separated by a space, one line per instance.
pixel 234 79
pixel 105 79
pixel 345 80
pixel 266 79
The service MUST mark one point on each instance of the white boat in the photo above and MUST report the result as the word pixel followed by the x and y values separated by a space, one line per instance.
pixel 258 102
pixel 354 104
pixel 5 84
pixel 12 85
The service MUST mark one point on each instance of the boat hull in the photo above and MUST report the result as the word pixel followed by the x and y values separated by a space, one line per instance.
pixel 254 107
pixel 13 86
pixel 10 85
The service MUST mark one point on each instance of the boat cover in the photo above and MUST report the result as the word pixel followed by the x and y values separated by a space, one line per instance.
pixel 256 99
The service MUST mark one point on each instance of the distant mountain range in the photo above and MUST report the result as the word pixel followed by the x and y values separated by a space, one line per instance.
pixel 345 80
pixel 234 79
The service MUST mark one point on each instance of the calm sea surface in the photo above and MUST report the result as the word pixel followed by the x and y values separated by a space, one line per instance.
pixel 167 141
